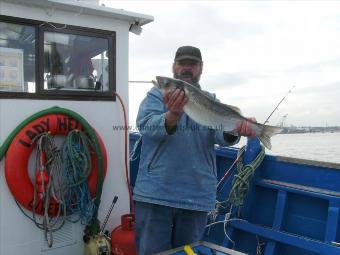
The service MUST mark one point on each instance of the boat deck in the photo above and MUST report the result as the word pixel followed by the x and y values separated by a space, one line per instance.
pixel 292 207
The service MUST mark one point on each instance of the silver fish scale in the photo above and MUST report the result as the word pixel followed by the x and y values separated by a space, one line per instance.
pixel 204 109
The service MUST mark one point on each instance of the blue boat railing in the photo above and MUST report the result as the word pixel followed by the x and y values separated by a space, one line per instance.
pixel 292 206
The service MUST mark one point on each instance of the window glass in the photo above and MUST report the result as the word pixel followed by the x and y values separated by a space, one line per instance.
pixel 75 62
pixel 17 58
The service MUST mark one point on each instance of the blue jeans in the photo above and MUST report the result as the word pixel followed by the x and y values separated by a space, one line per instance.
pixel 160 228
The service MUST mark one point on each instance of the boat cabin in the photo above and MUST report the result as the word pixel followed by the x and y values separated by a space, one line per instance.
pixel 71 55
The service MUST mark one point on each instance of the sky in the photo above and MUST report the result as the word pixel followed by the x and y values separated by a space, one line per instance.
pixel 254 53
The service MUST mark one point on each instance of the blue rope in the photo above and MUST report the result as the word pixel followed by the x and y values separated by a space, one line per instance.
pixel 77 167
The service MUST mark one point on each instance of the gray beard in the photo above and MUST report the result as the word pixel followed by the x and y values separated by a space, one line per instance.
pixel 194 80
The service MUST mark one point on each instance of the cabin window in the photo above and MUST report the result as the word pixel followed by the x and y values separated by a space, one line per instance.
pixel 54 61
pixel 75 62
pixel 17 58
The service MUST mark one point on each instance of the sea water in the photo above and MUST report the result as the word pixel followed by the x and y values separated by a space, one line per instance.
pixel 314 146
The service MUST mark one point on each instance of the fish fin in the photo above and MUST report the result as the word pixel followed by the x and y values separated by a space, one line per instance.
pixel 235 108
pixel 213 96
pixel 267 133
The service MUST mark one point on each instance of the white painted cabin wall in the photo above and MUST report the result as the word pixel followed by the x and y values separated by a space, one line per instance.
pixel 18 235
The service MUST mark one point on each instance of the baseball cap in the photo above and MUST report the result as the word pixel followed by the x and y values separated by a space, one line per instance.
pixel 188 52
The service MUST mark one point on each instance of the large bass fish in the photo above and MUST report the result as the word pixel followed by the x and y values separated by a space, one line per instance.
pixel 205 110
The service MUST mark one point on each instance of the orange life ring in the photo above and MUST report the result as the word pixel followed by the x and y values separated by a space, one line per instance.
pixel 18 154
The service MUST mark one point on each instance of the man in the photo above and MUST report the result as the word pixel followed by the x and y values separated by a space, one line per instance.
pixel 176 183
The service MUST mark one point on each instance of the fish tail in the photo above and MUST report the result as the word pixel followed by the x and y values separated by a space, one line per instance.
pixel 267 133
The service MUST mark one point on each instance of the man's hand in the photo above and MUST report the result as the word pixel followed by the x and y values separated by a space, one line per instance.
pixel 175 102
pixel 244 128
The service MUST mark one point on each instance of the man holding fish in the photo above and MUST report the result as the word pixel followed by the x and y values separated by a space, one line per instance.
pixel 176 183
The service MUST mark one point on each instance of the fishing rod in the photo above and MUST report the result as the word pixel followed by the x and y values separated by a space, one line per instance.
pixel 289 91
pixel 140 81
pixel 239 156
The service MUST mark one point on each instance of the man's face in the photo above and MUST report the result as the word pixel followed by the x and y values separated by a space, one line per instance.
pixel 188 70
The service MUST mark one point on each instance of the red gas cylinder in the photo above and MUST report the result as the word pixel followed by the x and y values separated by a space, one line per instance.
pixel 123 237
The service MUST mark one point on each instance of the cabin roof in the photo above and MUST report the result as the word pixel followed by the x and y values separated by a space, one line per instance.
pixel 91 9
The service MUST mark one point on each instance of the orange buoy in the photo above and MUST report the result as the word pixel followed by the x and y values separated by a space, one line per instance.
pixel 123 236
pixel 18 153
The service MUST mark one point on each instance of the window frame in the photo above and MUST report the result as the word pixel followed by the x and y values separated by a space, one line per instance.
pixel 40 93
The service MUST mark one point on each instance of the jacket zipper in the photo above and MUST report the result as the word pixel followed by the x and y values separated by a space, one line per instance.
pixel 153 159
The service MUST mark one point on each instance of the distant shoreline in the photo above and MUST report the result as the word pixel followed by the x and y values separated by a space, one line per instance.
pixel 301 130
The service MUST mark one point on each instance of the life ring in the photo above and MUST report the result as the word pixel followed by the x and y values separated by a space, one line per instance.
pixel 19 151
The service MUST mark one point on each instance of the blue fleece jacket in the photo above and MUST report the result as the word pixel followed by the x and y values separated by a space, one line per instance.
pixel 178 169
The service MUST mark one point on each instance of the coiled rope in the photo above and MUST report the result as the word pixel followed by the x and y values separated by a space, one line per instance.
pixel 241 181
pixel 77 168
pixel 63 177
pixel 94 225
pixel 239 190
pixel 48 172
